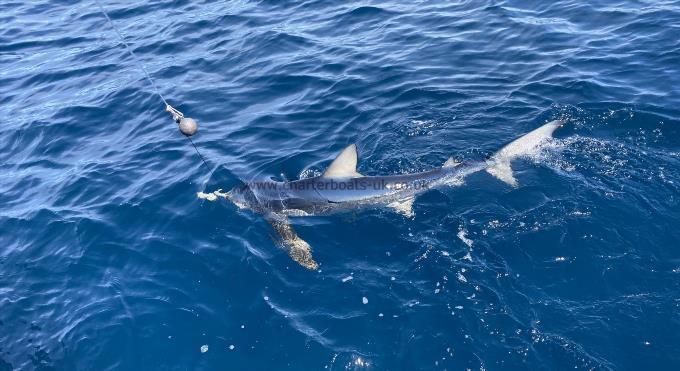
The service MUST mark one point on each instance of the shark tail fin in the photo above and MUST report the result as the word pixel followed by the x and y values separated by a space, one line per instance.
pixel 499 164
pixel 503 172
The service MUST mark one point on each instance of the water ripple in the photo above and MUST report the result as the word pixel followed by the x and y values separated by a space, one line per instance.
pixel 108 260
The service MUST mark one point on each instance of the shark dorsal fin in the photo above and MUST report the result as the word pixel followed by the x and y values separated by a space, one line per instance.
pixel 345 165
pixel 451 162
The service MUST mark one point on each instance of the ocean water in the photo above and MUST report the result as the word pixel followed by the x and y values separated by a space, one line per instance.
pixel 109 261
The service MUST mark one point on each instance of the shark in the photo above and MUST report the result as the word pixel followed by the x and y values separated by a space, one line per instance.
pixel 342 188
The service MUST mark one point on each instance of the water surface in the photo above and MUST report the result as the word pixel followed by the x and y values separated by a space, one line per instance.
pixel 109 261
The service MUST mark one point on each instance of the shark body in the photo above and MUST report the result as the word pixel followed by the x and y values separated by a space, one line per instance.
pixel 342 188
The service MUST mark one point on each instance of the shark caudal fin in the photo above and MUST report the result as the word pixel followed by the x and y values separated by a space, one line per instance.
pixel 499 164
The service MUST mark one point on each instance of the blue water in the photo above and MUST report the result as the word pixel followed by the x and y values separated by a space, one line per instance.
pixel 108 260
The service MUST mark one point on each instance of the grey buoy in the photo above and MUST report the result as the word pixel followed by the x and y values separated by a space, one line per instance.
pixel 188 126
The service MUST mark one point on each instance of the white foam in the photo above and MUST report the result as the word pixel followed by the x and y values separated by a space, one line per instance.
pixel 309 173
pixel 421 127
pixel 462 236
pixel 461 278
pixel 359 362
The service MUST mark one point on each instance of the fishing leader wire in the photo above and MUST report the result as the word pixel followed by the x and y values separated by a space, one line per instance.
pixel 187 125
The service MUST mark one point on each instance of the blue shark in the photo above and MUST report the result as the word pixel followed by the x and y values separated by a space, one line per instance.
pixel 341 188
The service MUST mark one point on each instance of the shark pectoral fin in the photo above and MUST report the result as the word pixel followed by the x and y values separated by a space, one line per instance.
pixel 345 165
pixel 298 249
pixel 503 171
pixel 403 207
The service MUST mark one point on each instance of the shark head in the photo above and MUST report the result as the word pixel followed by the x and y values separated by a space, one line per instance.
pixel 242 196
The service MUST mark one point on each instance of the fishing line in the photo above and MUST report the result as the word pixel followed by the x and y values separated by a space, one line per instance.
pixel 199 153
pixel 187 125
